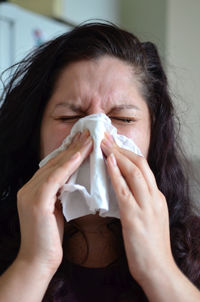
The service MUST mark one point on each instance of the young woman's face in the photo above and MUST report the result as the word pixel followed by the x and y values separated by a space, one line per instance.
pixel 105 85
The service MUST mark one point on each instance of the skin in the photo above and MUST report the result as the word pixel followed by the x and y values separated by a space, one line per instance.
pixel 106 85
pixel 96 86
pixel 101 85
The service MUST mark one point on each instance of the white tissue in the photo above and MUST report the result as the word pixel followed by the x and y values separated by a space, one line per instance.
pixel 89 189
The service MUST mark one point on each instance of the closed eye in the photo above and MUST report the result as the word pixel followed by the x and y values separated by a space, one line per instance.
pixel 68 118
pixel 124 119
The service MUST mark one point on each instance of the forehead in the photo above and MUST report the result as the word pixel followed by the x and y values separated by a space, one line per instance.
pixel 106 79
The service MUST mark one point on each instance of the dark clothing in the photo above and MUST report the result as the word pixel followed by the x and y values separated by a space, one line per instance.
pixel 107 284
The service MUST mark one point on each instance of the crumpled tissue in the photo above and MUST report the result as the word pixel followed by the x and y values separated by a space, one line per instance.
pixel 89 189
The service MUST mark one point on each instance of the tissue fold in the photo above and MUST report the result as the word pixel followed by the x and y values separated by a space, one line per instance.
pixel 89 189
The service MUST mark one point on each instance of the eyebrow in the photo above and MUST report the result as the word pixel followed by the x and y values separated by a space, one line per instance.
pixel 70 106
pixel 124 106
pixel 77 108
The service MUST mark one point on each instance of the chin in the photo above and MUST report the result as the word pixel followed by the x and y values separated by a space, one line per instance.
pixel 92 219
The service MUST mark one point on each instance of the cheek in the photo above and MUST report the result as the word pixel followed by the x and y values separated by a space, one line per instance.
pixel 51 138
pixel 143 142
pixel 140 136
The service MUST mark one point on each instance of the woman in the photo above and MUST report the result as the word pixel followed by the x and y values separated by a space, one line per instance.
pixel 144 257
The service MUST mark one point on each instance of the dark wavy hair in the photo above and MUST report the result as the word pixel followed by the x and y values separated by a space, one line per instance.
pixel 23 104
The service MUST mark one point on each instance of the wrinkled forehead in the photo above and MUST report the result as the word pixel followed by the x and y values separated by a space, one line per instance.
pixel 107 79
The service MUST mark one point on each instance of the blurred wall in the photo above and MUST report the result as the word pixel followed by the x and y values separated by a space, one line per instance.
pixel 183 65
pixel 174 25
pixel 147 19
pixel 77 11
pixel 48 8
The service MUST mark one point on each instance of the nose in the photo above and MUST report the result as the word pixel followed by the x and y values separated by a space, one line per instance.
pixel 95 108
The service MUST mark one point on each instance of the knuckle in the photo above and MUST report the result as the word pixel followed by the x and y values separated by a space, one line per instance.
pixel 21 198
pixel 51 179
pixel 161 197
pixel 161 205
pixel 55 160
pixel 124 193
pixel 21 193
pixel 55 176
pixel 135 173
pixel 141 160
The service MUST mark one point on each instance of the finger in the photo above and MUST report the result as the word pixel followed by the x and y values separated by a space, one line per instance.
pixel 84 147
pixel 81 143
pixel 76 137
pixel 134 178
pixel 138 160
pixel 53 177
pixel 143 165
pixel 126 200
pixel 79 140
pixel 56 179
pixel 66 166
pixel 132 174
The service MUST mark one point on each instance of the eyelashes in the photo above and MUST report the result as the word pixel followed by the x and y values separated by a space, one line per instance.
pixel 125 120
pixel 68 118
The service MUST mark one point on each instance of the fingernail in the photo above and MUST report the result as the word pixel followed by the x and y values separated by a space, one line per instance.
pixel 106 149
pixel 75 156
pixel 87 141
pixel 84 135
pixel 76 137
pixel 107 143
pixel 110 138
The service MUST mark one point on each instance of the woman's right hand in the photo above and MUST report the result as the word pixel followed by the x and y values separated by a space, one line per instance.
pixel 40 213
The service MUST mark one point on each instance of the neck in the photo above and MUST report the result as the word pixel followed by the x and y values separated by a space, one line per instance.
pixel 94 244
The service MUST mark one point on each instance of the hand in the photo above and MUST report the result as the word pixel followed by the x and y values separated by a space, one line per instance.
pixel 40 214
pixel 143 211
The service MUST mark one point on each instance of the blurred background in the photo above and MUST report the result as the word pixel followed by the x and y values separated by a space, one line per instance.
pixel 174 25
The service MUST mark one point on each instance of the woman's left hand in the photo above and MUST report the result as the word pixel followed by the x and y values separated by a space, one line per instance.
pixel 143 212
